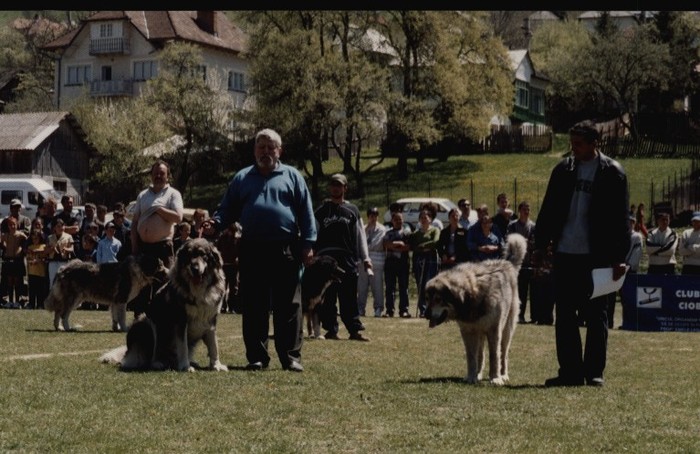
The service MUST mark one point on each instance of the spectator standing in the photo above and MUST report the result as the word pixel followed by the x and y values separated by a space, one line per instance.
pixel 183 233
pixel 503 214
pixel 23 222
pixel 424 255
pixel 661 244
pixel 109 246
pixel 47 212
pixel 341 235
pixel 484 241
pixel 468 216
pixel 374 231
pixel 91 219
pixel 228 244
pixel 100 215
pixel 122 233
pixel 273 205
pixel 60 248
pixel 13 268
pixel 37 269
pixel 396 265
pixel 584 219
pixel 640 224
pixel 433 208
pixel 158 209
pixel 525 227
pixel 634 257
pixel 690 247
pixel 119 206
pixel 452 243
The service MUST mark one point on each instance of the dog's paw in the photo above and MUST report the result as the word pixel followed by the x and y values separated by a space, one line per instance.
pixel 471 380
pixel 498 381
pixel 217 366
pixel 190 369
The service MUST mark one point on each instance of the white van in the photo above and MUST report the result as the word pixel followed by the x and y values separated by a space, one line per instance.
pixel 31 191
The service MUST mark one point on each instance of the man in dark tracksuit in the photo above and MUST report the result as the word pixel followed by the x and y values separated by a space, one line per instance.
pixel 342 236
pixel 584 219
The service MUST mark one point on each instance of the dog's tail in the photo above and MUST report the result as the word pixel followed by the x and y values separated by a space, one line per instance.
pixel 515 250
pixel 114 356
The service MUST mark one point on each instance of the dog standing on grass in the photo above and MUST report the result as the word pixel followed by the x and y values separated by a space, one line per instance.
pixel 482 297
pixel 183 312
pixel 316 278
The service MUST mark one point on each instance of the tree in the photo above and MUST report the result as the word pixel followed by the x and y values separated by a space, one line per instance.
pixel 455 75
pixel 120 131
pixel 192 109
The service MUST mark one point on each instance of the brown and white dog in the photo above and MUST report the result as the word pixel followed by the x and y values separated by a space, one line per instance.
pixel 183 312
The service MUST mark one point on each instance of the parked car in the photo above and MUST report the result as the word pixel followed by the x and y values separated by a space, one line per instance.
pixel 411 210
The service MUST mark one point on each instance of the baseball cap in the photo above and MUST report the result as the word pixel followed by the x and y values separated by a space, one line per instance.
pixel 15 202
pixel 110 224
pixel 373 210
pixel 696 216
pixel 340 178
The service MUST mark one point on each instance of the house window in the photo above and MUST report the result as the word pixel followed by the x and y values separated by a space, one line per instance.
pixel 537 102
pixel 522 94
pixel 78 75
pixel 236 81
pixel 106 30
pixel 144 70
pixel 200 71
pixel 60 186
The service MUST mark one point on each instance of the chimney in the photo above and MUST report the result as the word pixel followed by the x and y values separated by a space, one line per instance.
pixel 207 21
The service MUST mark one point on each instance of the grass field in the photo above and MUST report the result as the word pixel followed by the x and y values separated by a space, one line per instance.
pixel 402 392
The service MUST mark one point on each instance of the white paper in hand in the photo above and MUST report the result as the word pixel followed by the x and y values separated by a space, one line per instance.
pixel 603 281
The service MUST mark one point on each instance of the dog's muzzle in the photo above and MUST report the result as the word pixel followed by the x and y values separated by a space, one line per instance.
pixel 435 321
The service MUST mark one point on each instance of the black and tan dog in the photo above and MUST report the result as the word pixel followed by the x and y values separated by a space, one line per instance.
pixel 183 312
pixel 316 278
pixel 107 284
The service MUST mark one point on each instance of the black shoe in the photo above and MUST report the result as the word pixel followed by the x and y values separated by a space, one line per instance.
pixel 295 366
pixel 330 335
pixel 561 381
pixel 258 365
pixel 388 315
pixel 359 337
pixel 595 381
pixel 521 320
pixel 405 315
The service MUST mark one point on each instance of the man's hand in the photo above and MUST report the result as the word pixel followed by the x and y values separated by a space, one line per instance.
pixel 619 270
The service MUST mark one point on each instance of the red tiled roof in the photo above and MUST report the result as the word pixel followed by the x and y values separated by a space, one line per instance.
pixel 160 26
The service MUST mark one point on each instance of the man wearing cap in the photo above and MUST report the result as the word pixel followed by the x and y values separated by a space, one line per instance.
pixel 690 247
pixel 342 236
pixel 584 220
pixel 24 224
pixel 273 205
pixel 374 277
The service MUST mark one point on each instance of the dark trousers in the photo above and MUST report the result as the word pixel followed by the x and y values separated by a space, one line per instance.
pixel 573 285
pixel 524 288
pixel 693 270
pixel 345 294
pixel 38 291
pixel 232 303
pixel 269 275
pixel 396 271
pixel 162 250
pixel 542 298
pixel 662 269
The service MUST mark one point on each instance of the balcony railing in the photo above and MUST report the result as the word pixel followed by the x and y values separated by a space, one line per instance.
pixel 100 46
pixel 123 87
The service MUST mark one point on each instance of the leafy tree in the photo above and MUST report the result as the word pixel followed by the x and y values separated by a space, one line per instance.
pixel 193 109
pixel 455 75
pixel 120 131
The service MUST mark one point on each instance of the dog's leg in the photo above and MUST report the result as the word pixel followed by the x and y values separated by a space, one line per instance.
pixel 57 321
pixel 118 312
pixel 309 324
pixel 507 336
pixel 65 320
pixel 471 342
pixel 494 340
pixel 316 321
pixel 481 357
pixel 182 354
pixel 212 343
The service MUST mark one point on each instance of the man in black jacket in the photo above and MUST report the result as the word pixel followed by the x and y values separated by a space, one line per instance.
pixel 584 220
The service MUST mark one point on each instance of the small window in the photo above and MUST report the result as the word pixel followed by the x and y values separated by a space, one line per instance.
pixel 34 198
pixel 78 75
pixel 60 186
pixel 7 196
pixel 236 81
pixel 522 94
pixel 145 70
pixel 105 30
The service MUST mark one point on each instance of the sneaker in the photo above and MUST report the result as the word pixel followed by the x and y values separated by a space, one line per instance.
pixel 405 315
pixel 258 365
pixel 595 381
pixel 330 335
pixel 388 315
pixel 561 381
pixel 359 337
pixel 295 366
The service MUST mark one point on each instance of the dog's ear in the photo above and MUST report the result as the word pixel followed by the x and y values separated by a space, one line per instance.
pixel 215 257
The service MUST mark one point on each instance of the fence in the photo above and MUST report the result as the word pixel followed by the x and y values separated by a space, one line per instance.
pixel 526 138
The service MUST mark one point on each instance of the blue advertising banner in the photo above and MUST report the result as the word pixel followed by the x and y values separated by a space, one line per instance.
pixel 661 303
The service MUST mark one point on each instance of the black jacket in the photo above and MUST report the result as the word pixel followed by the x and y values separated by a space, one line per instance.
pixel 608 214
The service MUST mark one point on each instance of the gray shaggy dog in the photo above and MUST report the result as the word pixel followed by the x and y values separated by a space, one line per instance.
pixel 183 312
pixel 482 297
pixel 107 284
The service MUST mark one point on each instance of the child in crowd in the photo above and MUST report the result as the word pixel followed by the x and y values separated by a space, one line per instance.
pixel 88 253
pixel 109 246
pixel 60 247
pixel 37 270
pixel 182 234
pixel 227 244
pixel 13 268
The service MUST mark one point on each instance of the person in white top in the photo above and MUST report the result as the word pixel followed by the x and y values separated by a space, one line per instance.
pixel 661 246
pixel 690 247
pixel 374 277
pixel 634 257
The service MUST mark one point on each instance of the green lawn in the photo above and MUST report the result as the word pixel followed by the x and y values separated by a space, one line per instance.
pixel 402 392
